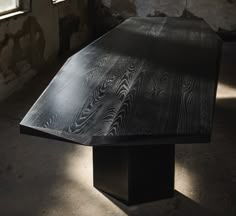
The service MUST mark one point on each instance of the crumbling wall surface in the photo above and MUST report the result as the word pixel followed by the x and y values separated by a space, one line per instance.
pixel 30 41
pixel 219 14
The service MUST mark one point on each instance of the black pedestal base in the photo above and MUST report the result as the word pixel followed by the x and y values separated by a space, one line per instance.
pixel 135 174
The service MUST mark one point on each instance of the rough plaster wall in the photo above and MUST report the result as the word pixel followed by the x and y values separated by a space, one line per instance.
pixel 218 13
pixel 29 41
pixel 18 58
pixel 47 16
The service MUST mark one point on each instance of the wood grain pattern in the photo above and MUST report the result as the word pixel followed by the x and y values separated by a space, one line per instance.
pixel 150 80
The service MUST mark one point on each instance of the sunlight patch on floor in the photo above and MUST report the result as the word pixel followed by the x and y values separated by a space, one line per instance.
pixel 225 91
pixel 76 193
pixel 185 181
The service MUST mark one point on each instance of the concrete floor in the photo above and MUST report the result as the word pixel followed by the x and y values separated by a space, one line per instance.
pixel 41 177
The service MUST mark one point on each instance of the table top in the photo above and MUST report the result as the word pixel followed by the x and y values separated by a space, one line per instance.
pixel 148 81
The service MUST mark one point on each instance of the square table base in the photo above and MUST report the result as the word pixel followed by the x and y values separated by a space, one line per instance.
pixel 135 174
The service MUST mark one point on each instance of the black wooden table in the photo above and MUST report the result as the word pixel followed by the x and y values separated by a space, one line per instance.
pixel 133 94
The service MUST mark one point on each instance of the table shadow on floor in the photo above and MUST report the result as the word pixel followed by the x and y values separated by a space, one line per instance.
pixel 179 205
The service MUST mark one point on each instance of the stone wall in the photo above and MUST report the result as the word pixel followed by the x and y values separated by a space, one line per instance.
pixel 29 41
pixel 219 14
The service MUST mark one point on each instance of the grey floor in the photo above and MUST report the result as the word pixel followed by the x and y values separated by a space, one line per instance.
pixel 50 178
